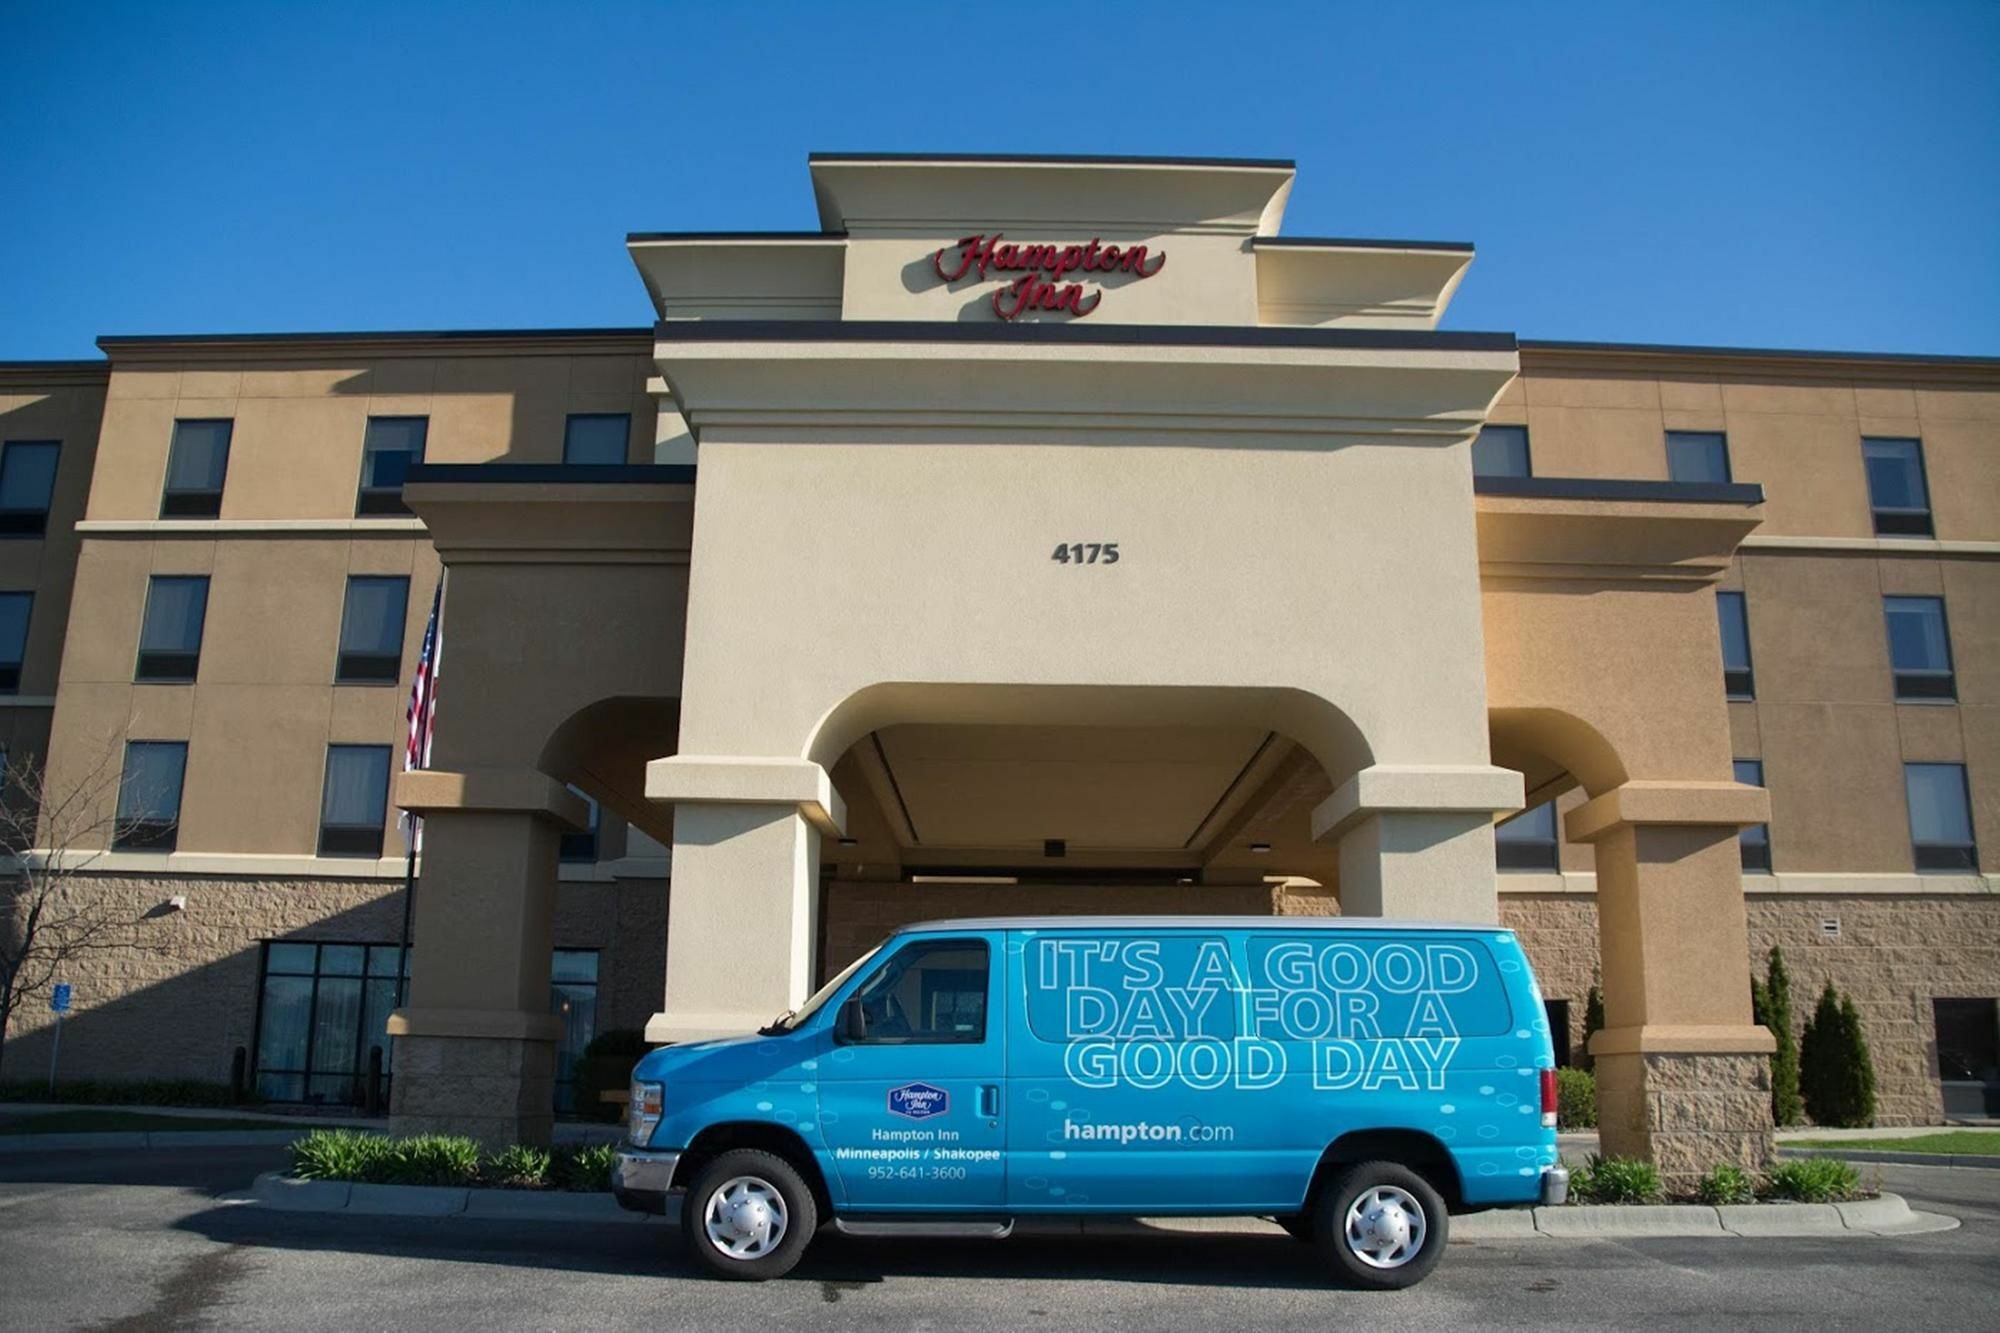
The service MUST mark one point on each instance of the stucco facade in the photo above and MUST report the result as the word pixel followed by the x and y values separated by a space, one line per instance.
pixel 810 647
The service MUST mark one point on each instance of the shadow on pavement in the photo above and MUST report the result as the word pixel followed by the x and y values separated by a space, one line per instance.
pixel 839 1264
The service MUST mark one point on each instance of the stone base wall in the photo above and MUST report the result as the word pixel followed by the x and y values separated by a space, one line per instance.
pixel 1894 954
pixel 856 914
pixel 182 996
pixel 1688 1113
pixel 498 1090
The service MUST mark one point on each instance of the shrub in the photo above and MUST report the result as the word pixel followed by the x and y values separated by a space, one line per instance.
pixel 1593 1021
pixel 606 1066
pixel 1727 1184
pixel 1786 1108
pixel 1615 1180
pixel 518 1167
pixel 1836 1073
pixel 1813 1180
pixel 430 1159
pixel 1576 1099
pixel 338 1154
pixel 587 1168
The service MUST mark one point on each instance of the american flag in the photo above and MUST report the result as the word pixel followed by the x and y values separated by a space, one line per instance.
pixel 423 711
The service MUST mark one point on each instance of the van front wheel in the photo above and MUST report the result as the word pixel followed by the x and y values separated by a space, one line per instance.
pixel 749 1215
pixel 1381 1224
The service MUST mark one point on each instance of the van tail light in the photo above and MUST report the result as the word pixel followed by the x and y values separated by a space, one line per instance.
pixel 1548 1099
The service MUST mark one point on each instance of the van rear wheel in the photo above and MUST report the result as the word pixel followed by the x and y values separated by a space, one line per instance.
pixel 749 1215
pixel 1381 1225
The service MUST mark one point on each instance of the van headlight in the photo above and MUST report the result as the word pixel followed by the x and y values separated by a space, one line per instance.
pixel 642 1113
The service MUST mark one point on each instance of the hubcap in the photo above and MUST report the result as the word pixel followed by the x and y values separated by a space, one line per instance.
pixel 1385 1227
pixel 745 1217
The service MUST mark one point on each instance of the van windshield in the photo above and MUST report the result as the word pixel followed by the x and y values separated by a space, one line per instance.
pixel 787 1022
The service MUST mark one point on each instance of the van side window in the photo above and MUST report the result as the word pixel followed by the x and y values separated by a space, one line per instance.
pixel 928 992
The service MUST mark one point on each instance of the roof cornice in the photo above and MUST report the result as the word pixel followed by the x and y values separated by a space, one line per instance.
pixel 237 347
pixel 53 374
pixel 1756 362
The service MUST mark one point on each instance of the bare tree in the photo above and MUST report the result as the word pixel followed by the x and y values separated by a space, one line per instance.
pixel 50 916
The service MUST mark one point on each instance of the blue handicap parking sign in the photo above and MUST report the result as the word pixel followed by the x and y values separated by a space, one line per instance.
pixel 59 998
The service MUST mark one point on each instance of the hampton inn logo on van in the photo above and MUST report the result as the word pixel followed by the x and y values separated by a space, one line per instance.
pixel 918 1101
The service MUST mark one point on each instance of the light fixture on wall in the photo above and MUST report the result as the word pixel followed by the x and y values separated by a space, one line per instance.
pixel 177 903
pixel 850 842
pixel 1260 847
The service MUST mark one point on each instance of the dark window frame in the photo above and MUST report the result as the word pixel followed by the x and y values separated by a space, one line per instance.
pixel 387 501
pixel 1527 449
pixel 370 668
pixel 1718 437
pixel 1960 858
pixel 1900 520
pixel 10 672
pixel 1754 841
pixel 624 454
pixel 360 841
pixel 28 521
pixel 1739 683
pixel 1923 685
pixel 170 666
pixel 148 834
pixel 309 1071
pixel 1517 854
pixel 189 502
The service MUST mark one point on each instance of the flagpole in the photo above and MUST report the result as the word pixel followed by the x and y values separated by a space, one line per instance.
pixel 421 732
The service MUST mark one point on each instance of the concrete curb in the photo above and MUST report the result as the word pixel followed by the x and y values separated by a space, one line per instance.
pixel 16 1144
pixel 1869 1155
pixel 1887 1215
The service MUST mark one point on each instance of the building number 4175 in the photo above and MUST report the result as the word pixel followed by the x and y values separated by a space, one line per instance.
pixel 1086 553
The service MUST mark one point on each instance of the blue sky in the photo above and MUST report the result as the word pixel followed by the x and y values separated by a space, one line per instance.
pixel 1750 173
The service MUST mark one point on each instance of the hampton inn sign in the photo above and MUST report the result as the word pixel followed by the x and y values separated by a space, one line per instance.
pixel 1032 290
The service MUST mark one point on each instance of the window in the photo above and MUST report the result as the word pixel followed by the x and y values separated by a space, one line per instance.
pixel 170 640
pixel 322 1009
pixel 1558 1016
pixel 27 485
pixel 15 610
pixel 1919 648
pixel 572 999
pixel 1896 488
pixel 1697 455
pixel 392 446
pixel 149 796
pixel 1940 817
pixel 1737 679
pixel 1528 840
pixel 596 438
pixel 929 991
pixel 582 846
pixel 1754 842
pixel 355 800
pixel 371 631
pixel 196 464
pixel 1501 451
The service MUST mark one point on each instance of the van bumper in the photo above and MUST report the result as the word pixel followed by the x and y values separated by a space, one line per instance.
pixel 640 1178
pixel 1555 1184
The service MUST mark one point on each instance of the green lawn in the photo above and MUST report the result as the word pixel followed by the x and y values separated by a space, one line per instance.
pixel 1952 1142
pixel 96 1122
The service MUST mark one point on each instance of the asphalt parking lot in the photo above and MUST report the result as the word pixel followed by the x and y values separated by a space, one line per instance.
pixel 143 1241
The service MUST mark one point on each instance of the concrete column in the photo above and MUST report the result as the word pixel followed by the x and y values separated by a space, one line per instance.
pixel 475 1042
pixel 1416 842
pixel 1683 1072
pixel 742 913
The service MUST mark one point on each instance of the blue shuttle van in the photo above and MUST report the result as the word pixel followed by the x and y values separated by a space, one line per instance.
pixel 1357 1080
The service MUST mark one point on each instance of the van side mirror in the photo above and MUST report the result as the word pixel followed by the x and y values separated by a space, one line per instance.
pixel 851 1024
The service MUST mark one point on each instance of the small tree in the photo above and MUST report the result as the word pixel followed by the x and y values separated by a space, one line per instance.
pixel 50 920
pixel 1836 1073
pixel 1593 1021
pixel 1786 1108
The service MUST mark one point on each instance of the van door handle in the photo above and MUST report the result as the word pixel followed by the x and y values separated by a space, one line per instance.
pixel 989 1100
